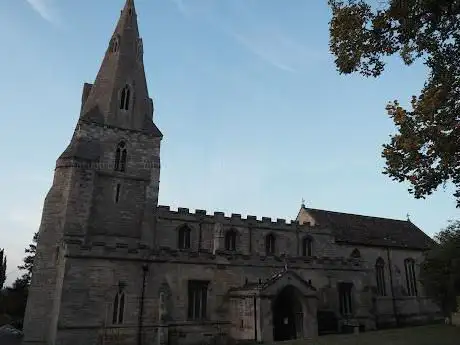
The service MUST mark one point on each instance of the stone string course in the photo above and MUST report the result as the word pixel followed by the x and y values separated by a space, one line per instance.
pixel 141 252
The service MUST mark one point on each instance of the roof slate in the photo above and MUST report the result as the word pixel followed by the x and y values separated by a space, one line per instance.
pixel 375 231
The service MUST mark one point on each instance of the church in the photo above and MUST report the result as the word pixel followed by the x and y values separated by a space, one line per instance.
pixel 114 267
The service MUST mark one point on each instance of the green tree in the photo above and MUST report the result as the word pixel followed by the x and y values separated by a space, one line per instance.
pixel 28 261
pixel 425 151
pixel 440 271
pixel 2 268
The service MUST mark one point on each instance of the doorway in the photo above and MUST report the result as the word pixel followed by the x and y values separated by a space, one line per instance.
pixel 287 315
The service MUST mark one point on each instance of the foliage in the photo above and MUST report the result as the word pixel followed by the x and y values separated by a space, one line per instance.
pixel 2 268
pixel 440 272
pixel 14 299
pixel 29 260
pixel 425 151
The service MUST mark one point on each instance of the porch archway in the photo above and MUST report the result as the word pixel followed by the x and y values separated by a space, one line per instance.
pixel 288 314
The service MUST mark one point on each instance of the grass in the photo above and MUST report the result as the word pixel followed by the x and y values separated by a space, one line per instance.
pixel 421 335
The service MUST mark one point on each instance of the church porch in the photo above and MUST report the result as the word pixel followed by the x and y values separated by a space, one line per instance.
pixel 281 308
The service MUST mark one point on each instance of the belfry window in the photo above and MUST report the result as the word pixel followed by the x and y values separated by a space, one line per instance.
pixel 118 308
pixel 411 280
pixel 125 98
pixel 380 277
pixel 184 237
pixel 120 157
pixel 307 246
pixel 230 240
pixel 270 242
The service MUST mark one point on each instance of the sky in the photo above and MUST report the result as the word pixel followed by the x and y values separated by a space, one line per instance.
pixel 254 114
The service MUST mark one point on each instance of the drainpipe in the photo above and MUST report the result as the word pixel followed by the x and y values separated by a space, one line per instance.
pixel 393 300
pixel 145 269
pixel 254 301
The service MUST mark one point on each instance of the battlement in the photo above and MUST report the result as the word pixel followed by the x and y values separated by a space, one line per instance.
pixel 236 219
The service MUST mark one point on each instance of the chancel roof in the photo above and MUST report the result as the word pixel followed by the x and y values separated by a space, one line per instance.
pixel 375 231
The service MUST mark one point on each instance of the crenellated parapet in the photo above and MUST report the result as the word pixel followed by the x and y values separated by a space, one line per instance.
pixel 234 219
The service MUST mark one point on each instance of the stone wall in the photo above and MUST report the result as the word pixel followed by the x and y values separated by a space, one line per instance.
pixel 456 319
pixel 410 309
pixel 94 273
pixel 208 233
pixel 95 268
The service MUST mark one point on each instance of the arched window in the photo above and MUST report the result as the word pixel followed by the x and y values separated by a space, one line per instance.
pixel 307 246
pixel 125 97
pixel 230 240
pixel 411 280
pixel 184 237
pixel 270 242
pixel 355 254
pixel 114 44
pixel 120 157
pixel 118 308
pixel 380 277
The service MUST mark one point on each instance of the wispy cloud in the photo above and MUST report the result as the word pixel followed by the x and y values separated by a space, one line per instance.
pixel 274 48
pixel 262 38
pixel 46 9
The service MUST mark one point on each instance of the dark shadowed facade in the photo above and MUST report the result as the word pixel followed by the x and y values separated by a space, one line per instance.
pixel 113 267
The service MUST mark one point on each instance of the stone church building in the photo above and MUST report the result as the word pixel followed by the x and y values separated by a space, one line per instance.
pixel 114 267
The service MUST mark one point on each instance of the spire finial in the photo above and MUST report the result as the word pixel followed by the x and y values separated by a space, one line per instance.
pixel 303 203
pixel 408 217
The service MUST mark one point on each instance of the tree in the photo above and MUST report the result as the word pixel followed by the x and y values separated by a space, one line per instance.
pixel 425 151
pixel 440 271
pixel 14 298
pixel 28 261
pixel 2 268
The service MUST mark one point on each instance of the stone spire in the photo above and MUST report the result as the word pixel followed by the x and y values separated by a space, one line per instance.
pixel 119 95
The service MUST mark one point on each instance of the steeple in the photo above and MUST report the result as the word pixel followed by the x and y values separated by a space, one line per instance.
pixel 119 96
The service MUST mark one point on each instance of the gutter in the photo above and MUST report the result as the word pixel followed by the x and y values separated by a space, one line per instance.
pixel 254 301
pixel 393 299
pixel 145 269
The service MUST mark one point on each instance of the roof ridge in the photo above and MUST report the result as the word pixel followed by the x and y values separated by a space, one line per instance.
pixel 358 215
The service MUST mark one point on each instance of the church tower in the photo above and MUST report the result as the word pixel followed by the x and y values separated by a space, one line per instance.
pixel 105 185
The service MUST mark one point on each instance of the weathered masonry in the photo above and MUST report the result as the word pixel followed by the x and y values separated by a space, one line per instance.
pixel 113 266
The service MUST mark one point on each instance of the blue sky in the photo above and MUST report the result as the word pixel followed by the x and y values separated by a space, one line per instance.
pixel 254 115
